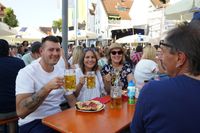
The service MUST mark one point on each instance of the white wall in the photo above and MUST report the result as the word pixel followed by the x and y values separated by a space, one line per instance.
pixel 101 25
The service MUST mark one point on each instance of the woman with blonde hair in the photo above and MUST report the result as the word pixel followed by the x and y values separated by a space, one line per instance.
pixel 147 67
pixel 149 52
pixel 76 55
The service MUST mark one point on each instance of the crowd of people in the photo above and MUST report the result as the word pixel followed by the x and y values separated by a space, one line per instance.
pixel 32 79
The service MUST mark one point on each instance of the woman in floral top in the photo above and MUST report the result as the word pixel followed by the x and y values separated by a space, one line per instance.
pixel 116 68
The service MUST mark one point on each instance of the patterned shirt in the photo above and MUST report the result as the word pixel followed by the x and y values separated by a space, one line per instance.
pixel 123 73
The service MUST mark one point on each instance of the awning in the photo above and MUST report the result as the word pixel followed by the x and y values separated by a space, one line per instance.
pixel 182 10
pixel 133 39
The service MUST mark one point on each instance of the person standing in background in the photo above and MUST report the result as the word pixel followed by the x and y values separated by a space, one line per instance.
pixel 9 67
pixel 34 54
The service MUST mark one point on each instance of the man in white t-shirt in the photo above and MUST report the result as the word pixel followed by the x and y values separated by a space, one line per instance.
pixel 39 89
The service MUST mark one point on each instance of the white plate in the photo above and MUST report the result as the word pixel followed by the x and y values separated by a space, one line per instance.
pixel 103 106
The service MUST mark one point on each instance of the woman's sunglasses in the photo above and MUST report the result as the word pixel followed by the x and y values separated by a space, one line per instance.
pixel 116 52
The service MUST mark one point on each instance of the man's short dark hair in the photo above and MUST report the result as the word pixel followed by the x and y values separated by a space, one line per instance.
pixel 59 38
pixel 35 47
pixel 50 38
pixel 4 48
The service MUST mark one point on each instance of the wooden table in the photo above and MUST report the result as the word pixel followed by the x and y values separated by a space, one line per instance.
pixel 106 121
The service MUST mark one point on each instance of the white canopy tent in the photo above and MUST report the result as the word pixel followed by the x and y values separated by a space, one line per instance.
pixel 81 35
pixel 26 33
pixel 133 39
pixel 182 10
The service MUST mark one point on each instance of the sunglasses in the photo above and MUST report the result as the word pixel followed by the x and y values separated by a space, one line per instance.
pixel 162 43
pixel 116 52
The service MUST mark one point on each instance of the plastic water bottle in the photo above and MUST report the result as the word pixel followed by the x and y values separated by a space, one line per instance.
pixel 131 92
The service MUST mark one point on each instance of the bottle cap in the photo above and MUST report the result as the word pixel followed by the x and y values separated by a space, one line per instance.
pixel 131 83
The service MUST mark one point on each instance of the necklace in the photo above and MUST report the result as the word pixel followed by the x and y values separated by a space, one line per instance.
pixel 192 76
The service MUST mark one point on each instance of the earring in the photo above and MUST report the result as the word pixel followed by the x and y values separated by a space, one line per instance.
pixel 177 65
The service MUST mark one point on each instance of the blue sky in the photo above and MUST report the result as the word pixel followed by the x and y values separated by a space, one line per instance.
pixel 35 12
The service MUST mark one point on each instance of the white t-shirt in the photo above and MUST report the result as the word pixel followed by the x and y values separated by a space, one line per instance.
pixel 88 94
pixel 30 80
pixel 144 70
pixel 61 62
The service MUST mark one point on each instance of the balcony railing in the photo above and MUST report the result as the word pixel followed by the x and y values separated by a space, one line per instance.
pixel 113 21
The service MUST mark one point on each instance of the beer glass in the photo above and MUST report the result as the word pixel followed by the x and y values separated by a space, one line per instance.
pixel 91 80
pixel 116 96
pixel 70 79
pixel 114 76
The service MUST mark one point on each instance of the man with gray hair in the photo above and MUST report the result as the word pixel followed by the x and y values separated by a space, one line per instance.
pixel 172 105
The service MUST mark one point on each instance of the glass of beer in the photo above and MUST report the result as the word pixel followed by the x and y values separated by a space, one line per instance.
pixel 70 79
pixel 91 80
pixel 116 97
pixel 114 76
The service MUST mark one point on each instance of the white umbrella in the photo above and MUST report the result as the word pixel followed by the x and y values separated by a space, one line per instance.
pixel 182 10
pixel 133 39
pixel 30 33
pixel 81 35
pixel 85 34
pixel 25 33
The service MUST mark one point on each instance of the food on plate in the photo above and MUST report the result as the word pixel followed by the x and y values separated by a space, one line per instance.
pixel 91 105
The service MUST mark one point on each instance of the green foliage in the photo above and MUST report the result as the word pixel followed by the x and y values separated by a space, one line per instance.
pixel 10 18
pixel 57 24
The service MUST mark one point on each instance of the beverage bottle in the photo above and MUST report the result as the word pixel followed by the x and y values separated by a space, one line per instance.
pixel 131 92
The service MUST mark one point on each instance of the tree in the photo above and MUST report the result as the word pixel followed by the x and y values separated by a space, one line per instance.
pixel 10 18
pixel 57 24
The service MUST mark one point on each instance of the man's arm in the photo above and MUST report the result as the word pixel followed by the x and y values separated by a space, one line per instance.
pixel 27 103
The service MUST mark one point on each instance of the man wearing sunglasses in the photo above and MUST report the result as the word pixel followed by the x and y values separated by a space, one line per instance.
pixel 172 105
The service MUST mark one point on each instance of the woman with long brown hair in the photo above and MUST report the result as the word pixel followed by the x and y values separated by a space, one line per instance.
pixel 88 63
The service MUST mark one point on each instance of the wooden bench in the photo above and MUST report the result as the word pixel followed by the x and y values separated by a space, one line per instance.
pixel 4 122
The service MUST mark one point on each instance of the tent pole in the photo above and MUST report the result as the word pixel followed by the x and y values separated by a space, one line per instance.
pixel 65 27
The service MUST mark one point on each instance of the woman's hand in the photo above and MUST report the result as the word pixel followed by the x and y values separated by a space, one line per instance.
pixel 107 78
pixel 82 80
